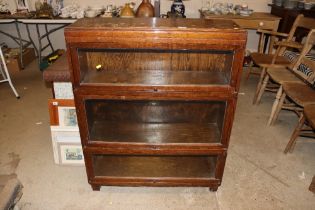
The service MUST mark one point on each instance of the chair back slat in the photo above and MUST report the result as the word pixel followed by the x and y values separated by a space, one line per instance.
pixel 304 67
pixel 294 26
pixel 308 62
pixel 306 22
pixel 300 21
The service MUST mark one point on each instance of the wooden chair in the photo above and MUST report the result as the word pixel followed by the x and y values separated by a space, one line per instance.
pixel 277 59
pixel 305 127
pixel 296 95
pixel 275 77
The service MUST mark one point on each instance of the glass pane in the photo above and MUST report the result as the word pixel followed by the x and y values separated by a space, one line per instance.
pixel 155 67
pixel 155 121
pixel 154 166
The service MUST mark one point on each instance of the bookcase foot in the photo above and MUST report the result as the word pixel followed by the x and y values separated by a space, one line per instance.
pixel 213 189
pixel 96 187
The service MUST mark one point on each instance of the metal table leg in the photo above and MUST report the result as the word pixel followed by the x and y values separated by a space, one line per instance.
pixel 30 38
pixel 21 43
pixel 39 45
pixel 49 42
pixel 40 37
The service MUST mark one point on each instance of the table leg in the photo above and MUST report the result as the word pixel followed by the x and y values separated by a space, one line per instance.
pixel 30 38
pixel 49 42
pixel 20 43
pixel 39 45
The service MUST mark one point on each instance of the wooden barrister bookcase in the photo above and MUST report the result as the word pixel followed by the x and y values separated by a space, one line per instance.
pixel 155 98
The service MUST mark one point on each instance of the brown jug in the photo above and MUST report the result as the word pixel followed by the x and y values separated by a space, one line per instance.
pixel 127 12
pixel 145 9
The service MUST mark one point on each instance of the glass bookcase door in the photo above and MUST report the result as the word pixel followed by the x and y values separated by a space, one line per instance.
pixel 154 121
pixel 154 67
pixel 139 166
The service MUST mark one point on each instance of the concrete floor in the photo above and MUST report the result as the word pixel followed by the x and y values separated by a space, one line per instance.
pixel 257 173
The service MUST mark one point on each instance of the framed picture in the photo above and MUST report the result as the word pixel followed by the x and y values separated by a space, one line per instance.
pixel 63 90
pixel 70 154
pixel 62 113
pixel 64 136
pixel 22 5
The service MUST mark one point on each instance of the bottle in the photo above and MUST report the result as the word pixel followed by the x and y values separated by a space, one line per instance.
pixel 127 12
pixel 157 8
pixel 145 9
pixel 38 5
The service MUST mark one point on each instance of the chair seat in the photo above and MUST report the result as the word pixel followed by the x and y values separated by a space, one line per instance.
pixel 300 93
pixel 309 112
pixel 264 60
pixel 281 75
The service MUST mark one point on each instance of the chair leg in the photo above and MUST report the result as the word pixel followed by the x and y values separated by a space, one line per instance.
pixel 262 88
pixel 250 69
pixel 278 109
pixel 262 75
pixel 292 142
pixel 275 104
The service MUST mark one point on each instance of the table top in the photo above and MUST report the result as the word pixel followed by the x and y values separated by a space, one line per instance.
pixel 30 19
pixel 7 20
pixel 48 21
pixel 152 24
pixel 254 16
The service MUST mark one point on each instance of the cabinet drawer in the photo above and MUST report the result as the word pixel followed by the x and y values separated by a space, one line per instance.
pixel 255 24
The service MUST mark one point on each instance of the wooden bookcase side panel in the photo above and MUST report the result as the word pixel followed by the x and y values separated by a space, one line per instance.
pixel 228 122
pixel 237 68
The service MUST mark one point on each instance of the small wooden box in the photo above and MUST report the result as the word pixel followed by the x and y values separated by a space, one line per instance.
pixel 13 58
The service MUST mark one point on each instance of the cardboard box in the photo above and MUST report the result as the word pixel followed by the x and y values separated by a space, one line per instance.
pixel 12 56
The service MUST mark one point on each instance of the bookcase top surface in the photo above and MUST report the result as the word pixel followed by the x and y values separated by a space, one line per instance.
pixel 153 24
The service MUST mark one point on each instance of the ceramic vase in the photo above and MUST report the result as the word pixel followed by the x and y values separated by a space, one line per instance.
pixel 178 7
pixel 127 12
pixel 145 9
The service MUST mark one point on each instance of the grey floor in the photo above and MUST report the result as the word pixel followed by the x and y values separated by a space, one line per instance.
pixel 257 174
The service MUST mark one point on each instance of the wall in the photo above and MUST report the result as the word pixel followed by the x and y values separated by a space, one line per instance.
pixel 192 7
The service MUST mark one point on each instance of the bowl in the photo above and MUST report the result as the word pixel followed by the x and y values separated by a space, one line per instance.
pixel 308 5
pixel 246 12
pixel 64 15
pixel 98 10
pixel 91 13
